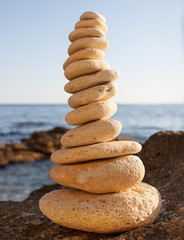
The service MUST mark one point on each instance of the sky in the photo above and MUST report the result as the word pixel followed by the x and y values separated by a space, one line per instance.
pixel 146 46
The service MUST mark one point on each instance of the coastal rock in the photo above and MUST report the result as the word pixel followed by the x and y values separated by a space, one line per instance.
pixel 1 146
pixel 3 160
pixel 17 147
pixel 45 141
pixel 18 152
pixel 38 146
pixel 23 220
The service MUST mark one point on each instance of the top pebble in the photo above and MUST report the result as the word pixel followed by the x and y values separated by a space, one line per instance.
pixel 92 15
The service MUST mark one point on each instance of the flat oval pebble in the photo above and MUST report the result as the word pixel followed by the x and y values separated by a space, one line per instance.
pixel 92 15
pixel 101 176
pixel 91 23
pixel 83 67
pixel 92 111
pixel 94 132
pixel 85 32
pixel 105 213
pixel 95 151
pixel 91 80
pixel 87 53
pixel 98 93
pixel 88 42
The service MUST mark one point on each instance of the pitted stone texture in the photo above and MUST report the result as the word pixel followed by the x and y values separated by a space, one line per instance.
pixel 91 80
pixel 95 151
pixel 98 93
pixel 106 213
pixel 101 176
pixel 91 112
pixel 94 132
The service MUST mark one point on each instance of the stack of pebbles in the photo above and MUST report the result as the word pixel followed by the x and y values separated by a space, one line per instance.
pixel 106 194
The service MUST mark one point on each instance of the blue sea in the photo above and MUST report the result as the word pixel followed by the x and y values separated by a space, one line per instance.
pixel 19 121
pixel 139 121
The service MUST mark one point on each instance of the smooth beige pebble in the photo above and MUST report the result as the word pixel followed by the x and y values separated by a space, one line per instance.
pixel 101 176
pixel 95 151
pixel 91 80
pixel 83 67
pixel 92 111
pixel 98 93
pixel 85 32
pixel 87 53
pixel 88 42
pixel 104 213
pixel 94 132
pixel 92 15
pixel 92 23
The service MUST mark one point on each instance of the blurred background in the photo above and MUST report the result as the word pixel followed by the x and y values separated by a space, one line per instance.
pixel 146 46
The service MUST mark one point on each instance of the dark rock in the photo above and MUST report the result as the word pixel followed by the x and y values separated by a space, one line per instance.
pixel 24 156
pixel 3 160
pixel 125 138
pixel 1 146
pixel 163 156
pixel 46 141
pixel 17 146
pixel 38 146
pixel 18 152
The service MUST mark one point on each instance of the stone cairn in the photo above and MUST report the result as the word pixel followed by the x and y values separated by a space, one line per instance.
pixel 105 193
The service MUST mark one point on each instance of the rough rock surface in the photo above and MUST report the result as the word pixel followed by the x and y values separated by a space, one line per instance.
pixel 38 146
pixel 163 156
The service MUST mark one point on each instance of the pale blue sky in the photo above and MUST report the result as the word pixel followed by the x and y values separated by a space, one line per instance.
pixel 146 46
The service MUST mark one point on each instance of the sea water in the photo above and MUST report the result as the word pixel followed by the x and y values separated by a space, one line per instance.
pixel 19 121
